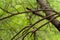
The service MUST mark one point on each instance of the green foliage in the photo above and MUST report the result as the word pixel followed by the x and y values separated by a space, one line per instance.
pixel 12 25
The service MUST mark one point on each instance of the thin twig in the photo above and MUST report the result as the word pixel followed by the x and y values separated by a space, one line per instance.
pixel 45 23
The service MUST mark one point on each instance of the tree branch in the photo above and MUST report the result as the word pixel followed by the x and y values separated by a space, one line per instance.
pixel 43 4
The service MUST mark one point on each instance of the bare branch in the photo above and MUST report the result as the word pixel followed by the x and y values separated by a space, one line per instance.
pixel 44 24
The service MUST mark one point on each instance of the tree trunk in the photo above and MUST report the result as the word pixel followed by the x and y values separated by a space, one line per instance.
pixel 43 5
